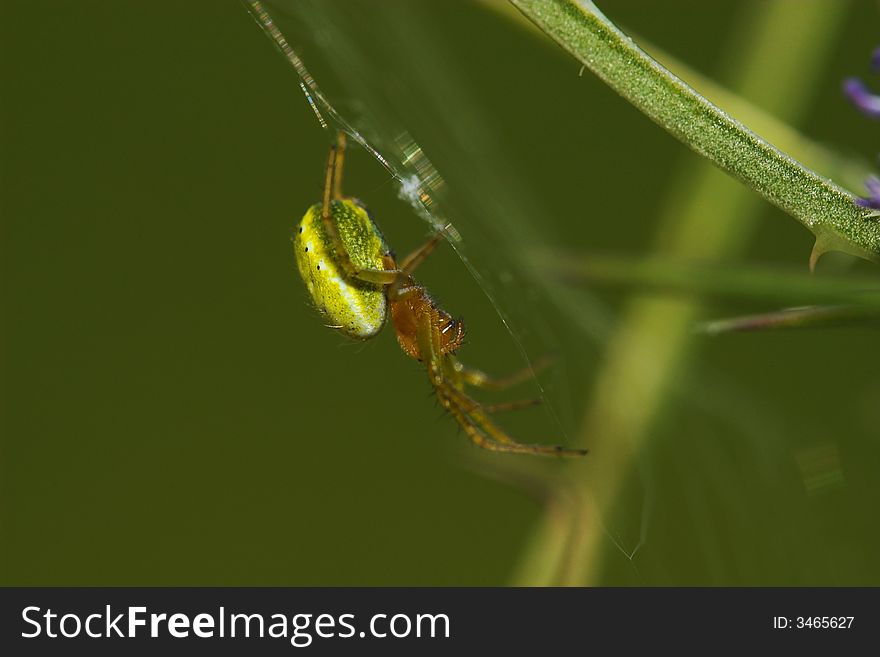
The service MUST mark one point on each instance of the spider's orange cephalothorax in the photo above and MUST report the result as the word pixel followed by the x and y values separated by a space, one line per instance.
pixel 409 309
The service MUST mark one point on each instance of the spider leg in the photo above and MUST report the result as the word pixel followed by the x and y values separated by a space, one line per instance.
pixel 333 192
pixel 338 164
pixel 485 434
pixel 478 437
pixel 452 378
pixel 461 407
pixel 480 379
pixel 403 284
pixel 418 256
pixel 478 414
pixel 467 412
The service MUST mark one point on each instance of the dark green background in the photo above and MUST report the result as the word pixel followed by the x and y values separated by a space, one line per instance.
pixel 173 411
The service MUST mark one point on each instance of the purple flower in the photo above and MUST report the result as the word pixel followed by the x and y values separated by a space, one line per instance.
pixel 873 200
pixel 869 104
pixel 860 95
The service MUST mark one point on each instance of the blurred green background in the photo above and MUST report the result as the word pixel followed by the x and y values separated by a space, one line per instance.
pixel 174 412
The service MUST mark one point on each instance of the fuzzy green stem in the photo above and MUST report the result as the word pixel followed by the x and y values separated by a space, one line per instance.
pixel 828 210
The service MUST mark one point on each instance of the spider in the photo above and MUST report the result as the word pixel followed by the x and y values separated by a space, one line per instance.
pixel 356 283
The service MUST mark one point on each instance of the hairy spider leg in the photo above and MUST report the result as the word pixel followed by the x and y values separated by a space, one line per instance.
pixel 479 379
pixel 418 256
pixel 403 284
pixel 467 412
pixel 338 164
pixel 477 413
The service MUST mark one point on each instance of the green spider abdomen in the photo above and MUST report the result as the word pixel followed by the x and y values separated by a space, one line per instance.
pixel 355 307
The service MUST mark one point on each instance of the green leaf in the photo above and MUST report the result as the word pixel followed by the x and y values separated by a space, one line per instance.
pixel 828 210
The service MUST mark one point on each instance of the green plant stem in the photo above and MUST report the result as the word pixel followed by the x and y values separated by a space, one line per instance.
pixel 811 317
pixel 828 210
pixel 664 274
pixel 844 167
